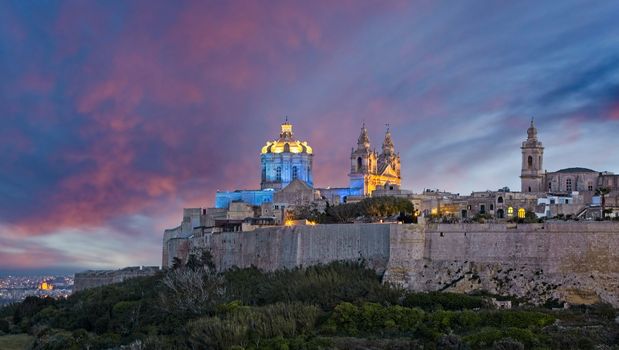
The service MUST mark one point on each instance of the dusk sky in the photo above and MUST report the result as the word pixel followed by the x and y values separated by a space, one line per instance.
pixel 114 115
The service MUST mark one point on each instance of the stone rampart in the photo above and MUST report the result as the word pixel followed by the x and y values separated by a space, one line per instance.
pixel 96 278
pixel 288 247
pixel 573 261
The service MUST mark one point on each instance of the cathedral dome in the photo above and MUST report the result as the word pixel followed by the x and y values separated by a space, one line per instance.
pixel 286 144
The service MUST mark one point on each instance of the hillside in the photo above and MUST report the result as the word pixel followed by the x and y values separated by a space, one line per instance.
pixel 335 306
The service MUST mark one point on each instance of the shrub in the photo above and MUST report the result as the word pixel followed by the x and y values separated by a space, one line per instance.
pixel 245 325
pixel 446 301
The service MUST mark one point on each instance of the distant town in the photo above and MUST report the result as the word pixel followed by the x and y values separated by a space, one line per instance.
pixel 16 288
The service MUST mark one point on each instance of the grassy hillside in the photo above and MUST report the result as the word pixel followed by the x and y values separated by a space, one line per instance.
pixel 15 341
pixel 336 306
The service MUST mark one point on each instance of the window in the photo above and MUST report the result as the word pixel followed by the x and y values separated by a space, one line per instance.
pixel 264 173
pixel 482 208
pixel 491 206
pixel 530 162
pixel 295 172
pixel 510 211
pixel 359 163
pixel 499 200
pixel 568 185
pixel 278 173
pixel 589 186
pixel 550 186
pixel 529 188
pixel 521 213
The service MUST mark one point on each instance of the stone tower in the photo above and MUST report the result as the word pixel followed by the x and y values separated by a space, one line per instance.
pixel 362 163
pixel 531 176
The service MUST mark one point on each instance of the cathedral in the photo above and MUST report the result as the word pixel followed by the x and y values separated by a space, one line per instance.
pixel 286 167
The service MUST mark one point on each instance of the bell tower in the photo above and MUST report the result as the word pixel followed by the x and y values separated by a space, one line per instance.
pixel 362 164
pixel 531 175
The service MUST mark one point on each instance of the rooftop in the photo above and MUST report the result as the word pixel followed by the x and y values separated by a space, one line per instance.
pixel 576 170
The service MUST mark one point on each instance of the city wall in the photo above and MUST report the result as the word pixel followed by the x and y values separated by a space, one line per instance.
pixel 97 278
pixel 577 262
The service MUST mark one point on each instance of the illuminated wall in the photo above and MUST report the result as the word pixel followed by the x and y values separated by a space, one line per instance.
pixel 251 197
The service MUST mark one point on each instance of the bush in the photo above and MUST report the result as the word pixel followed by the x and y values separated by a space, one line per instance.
pixel 5 327
pixel 438 301
pixel 245 325
pixel 370 318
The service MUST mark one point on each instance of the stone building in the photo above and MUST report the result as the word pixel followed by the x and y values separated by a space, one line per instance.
pixel 565 181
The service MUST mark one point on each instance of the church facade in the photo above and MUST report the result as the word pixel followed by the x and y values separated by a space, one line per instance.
pixel 369 170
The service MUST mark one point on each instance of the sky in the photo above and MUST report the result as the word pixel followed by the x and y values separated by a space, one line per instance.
pixel 114 115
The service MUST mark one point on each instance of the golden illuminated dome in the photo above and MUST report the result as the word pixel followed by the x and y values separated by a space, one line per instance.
pixel 46 286
pixel 286 143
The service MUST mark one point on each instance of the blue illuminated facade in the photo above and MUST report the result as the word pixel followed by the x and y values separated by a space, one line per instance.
pixel 252 197
pixel 285 160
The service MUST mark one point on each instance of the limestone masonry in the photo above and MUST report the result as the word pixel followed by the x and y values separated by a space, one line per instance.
pixel 577 262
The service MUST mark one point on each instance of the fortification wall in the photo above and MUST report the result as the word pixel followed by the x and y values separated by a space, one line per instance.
pixel 97 278
pixel 288 247
pixel 573 261
pixel 570 261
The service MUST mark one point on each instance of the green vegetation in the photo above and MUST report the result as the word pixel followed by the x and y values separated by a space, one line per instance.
pixel 335 306
pixel 370 209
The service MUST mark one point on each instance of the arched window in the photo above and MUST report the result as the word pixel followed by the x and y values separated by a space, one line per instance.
pixel 522 213
pixel 295 172
pixel 500 214
pixel 510 212
pixel 359 163
pixel 568 185
pixel 530 162
pixel 589 186
pixel 499 200
pixel 491 206
pixel 278 173
pixel 529 188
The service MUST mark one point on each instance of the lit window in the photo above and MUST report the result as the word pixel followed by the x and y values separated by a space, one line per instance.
pixel 521 213
pixel 510 211
pixel 295 172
